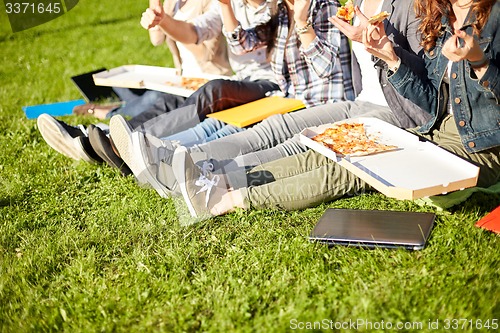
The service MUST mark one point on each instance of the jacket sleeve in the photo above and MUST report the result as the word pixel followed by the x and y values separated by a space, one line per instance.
pixel 490 82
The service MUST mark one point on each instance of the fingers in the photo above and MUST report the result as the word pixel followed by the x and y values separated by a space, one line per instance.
pixel 154 3
pixel 340 24
pixel 373 33
pixel 149 19
pixel 362 18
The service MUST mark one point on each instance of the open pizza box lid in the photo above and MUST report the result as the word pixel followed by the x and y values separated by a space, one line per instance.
pixel 416 169
pixel 147 77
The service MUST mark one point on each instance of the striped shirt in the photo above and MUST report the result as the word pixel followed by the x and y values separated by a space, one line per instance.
pixel 316 75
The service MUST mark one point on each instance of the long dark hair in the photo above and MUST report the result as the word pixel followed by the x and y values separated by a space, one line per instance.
pixel 267 31
pixel 431 12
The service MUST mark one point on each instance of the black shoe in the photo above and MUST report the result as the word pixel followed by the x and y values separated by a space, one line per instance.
pixel 103 147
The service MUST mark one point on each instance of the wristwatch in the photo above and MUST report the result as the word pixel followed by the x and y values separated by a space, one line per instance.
pixel 394 69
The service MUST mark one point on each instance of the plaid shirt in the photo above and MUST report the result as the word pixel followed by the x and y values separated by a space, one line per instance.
pixel 318 74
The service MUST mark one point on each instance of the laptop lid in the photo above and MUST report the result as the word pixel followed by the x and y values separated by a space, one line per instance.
pixel 373 228
pixel 91 92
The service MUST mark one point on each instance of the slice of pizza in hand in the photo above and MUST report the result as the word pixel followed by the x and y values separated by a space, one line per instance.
pixel 346 12
pixel 378 17
pixel 350 139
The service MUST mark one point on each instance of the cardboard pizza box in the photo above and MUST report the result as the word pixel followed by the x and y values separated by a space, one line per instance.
pixel 147 77
pixel 415 170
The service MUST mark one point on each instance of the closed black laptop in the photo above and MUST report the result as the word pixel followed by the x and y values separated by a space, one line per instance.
pixel 373 228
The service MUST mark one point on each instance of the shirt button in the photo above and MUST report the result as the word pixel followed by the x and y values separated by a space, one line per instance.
pixel 472 144
pixel 454 75
pixel 457 100
pixel 486 84
pixel 461 123
pixel 431 53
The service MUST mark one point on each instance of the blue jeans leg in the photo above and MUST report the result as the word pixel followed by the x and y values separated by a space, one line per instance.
pixel 134 106
pixel 207 130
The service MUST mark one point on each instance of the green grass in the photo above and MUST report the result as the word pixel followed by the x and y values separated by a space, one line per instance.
pixel 83 249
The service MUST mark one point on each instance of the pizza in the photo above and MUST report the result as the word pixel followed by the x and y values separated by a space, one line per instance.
pixel 351 139
pixel 191 83
pixel 378 17
pixel 346 12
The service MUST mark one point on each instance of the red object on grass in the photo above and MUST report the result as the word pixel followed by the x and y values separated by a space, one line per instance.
pixel 491 221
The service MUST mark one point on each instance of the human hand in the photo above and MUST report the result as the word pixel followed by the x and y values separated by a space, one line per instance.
pixel 301 12
pixel 377 43
pixel 354 33
pixel 470 51
pixel 153 15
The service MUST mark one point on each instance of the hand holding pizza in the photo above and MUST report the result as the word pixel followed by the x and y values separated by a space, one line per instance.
pixel 377 43
pixel 354 33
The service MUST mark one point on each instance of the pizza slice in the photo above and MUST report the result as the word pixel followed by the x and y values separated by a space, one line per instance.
pixel 378 17
pixel 346 12
pixel 351 139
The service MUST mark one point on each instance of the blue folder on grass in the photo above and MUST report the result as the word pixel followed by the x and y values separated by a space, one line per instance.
pixel 90 92
pixel 54 109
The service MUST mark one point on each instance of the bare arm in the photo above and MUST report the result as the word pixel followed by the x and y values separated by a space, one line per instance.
pixel 230 21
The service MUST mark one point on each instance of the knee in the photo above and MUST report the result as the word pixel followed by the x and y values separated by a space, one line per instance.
pixel 212 87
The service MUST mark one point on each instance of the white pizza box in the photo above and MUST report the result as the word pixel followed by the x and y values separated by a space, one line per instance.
pixel 416 169
pixel 147 77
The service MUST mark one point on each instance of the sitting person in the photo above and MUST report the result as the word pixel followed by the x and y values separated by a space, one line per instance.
pixel 312 69
pixel 277 136
pixel 310 59
pixel 252 80
pixel 189 59
pixel 462 58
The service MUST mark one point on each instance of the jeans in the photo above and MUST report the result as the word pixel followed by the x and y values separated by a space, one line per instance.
pixel 277 136
pixel 308 179
pixel 136 101
pixel 175 116
pixel 208 130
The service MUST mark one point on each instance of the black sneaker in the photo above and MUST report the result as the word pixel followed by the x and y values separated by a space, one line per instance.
pixel 103 147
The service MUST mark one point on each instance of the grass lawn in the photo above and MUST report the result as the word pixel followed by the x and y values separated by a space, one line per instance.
pixel 83 249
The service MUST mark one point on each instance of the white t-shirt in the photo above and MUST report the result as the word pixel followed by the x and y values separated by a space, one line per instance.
pixel 371 92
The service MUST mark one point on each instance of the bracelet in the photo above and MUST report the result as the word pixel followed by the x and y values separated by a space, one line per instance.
pixel 480 63
pixel 304 29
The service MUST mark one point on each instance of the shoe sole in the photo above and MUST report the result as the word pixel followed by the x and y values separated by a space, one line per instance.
pixel 121 134
pixel 77 142
pixel 57 137
pixel 103 149
pixel 179 165
pixel 143 171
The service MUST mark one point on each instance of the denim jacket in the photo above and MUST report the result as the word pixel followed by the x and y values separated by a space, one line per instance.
pixel 475 103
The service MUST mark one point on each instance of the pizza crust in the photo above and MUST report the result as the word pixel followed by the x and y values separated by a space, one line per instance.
pixel 378 17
